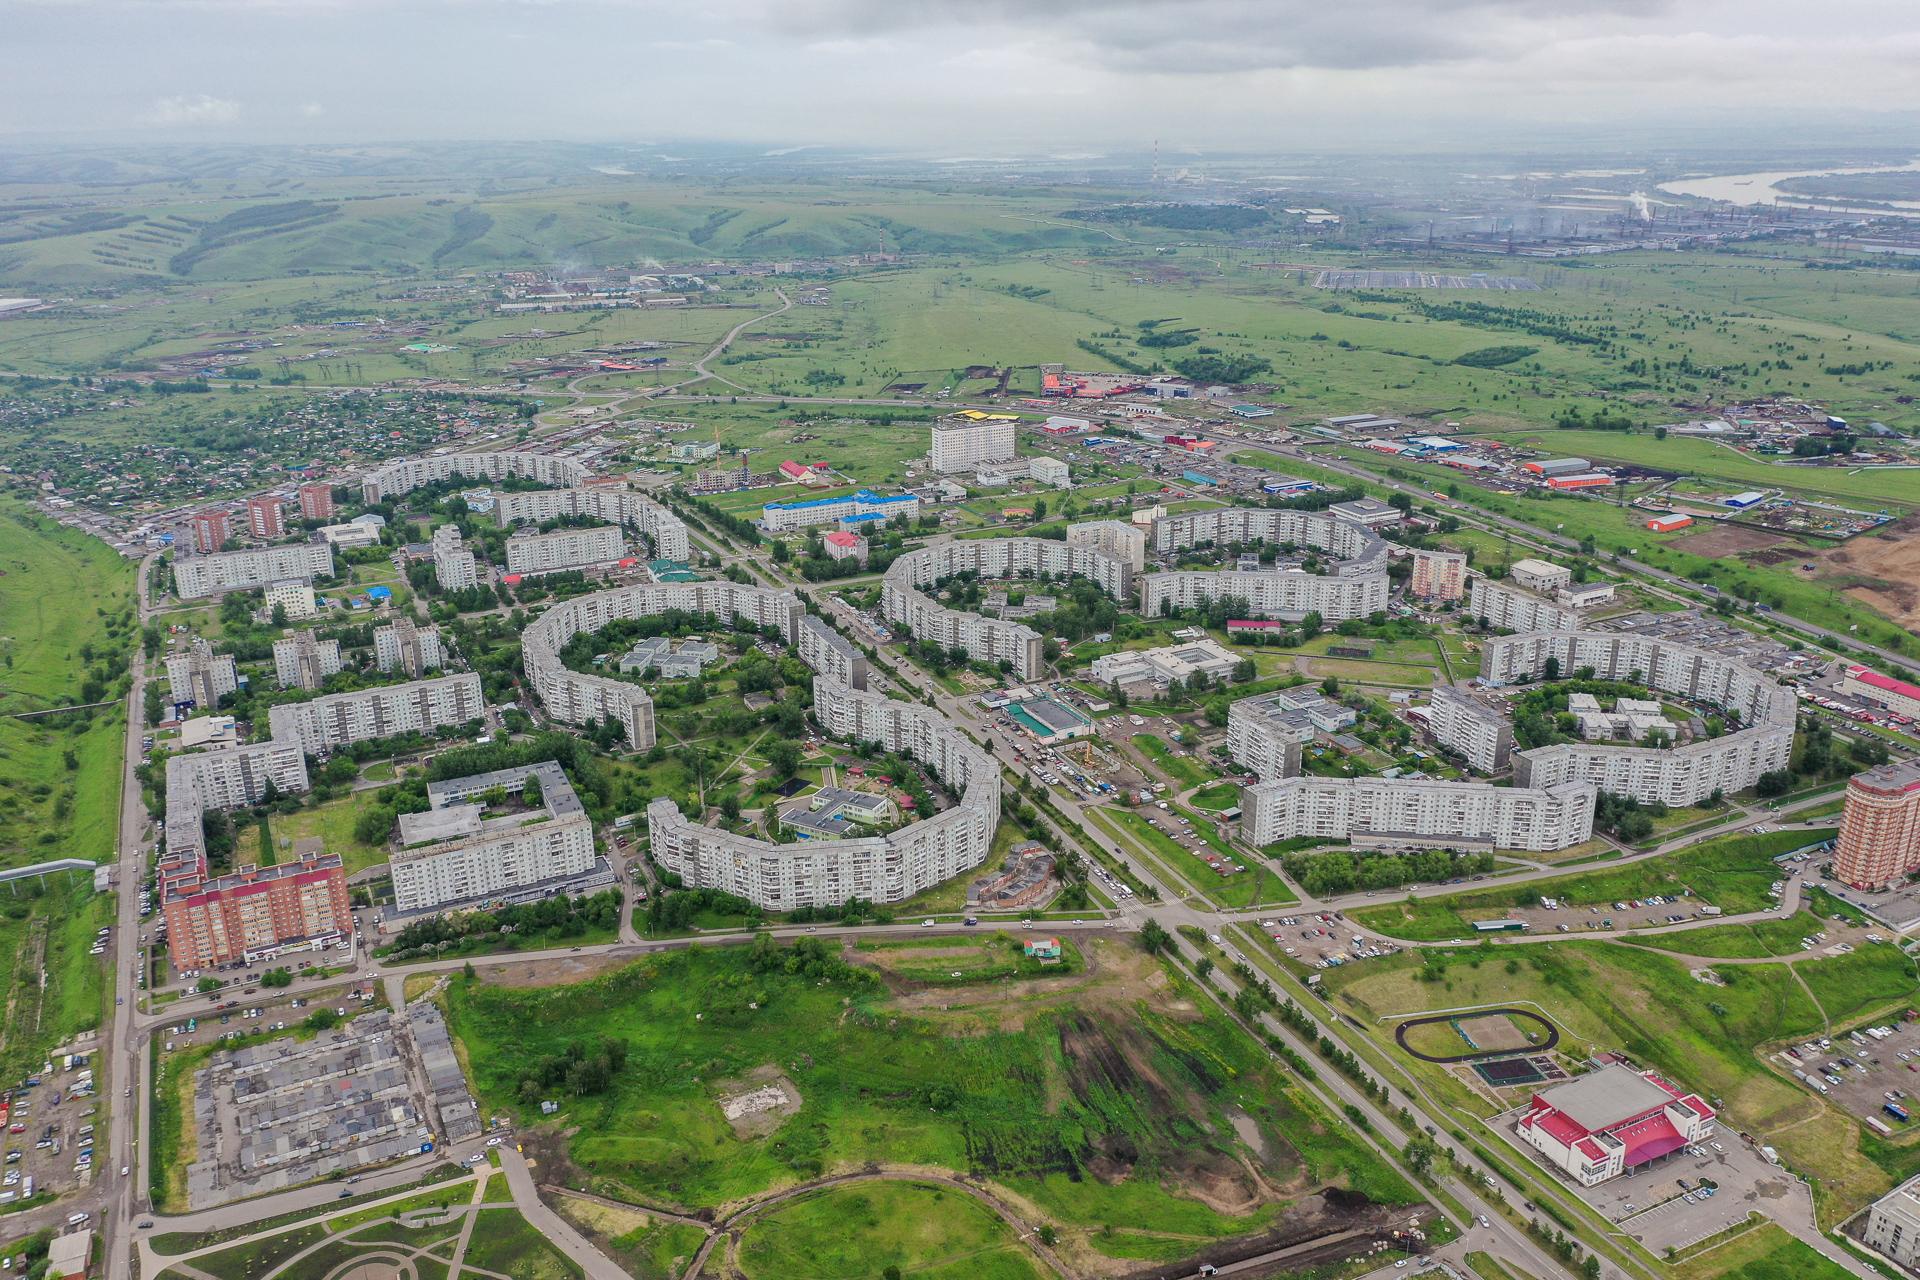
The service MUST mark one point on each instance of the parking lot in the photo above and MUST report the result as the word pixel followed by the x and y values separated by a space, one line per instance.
pixel 1696 1192
pixel 49 1119
pixel 1862 1072
pixel 1325 940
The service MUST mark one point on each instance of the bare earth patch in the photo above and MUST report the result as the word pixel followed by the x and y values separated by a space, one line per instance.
pixel 1494 1031
pixel 757 1103
pixel 1722 540
pixel 1885 566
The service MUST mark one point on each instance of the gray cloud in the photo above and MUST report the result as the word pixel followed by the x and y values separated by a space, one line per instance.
pixel 958 77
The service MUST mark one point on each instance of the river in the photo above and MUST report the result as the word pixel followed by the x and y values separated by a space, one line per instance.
pixel 1764 188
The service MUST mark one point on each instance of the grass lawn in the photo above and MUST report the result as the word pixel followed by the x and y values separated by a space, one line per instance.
pixel 333 823
pixel 1731 872
pixel 860 1230
pixel 1257 885
pixel 1759 939
pixel 982 1077
pixel 255 1258
pixel 1221 795
pixel 505 1242
pixel 1363 671
pixel 1765 1253
pixel 1186 771
pixel 1487 1267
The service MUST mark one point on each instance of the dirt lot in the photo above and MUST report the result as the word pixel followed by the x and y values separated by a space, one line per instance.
pixel 1890 558
pixel 1867 1072
pixel 1721 540
pixel 1495 1031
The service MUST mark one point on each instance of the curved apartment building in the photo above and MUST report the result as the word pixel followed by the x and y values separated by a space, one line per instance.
pixel 574 697
pixel 903 602
pixel 570 496
pixel 826 873
pixel 1682 775
pixel 1357 587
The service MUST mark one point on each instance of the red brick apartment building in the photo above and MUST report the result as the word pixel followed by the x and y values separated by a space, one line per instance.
pixel 1879 840
pixel 218 921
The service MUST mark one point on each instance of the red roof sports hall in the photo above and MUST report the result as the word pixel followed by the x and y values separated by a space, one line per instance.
pixel 1613 1120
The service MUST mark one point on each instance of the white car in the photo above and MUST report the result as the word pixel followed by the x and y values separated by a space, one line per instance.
pixel 494 1142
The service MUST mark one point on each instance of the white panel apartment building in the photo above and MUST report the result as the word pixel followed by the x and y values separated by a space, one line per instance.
pixel 300 661
pixel 1400 812
pixel 537 553
pixel 1512 609
pixel 453 565
pixel 825 873
pixel 419 706
pixel 665 532
pixel 226 779
pixel 404 475
pixel 450 854
pixel 209 575
pixel 990 639
pixel 1482 735
pixel 830 653
pixel 1290 595
pixel 403 645
pixel 1267 737
pixel 202 675
pixel 1362 550
pixel 1677 776
pixel 962 444
pixel 1120 539
pixel 575 697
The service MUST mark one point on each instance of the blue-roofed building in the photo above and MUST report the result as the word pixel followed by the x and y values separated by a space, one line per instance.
pixel 380 593
pixel 778 517
pixel 855 524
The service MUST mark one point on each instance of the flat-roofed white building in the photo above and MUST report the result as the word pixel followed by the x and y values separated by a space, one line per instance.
pixel 1406 812
pixel 962 443
pixel 665 532
pixel 564 549
pixel 419 706
pixel 404 645
pixel 452 854
pixel 454 567
pixel 294 597
pixel 1286 594
pixel 195 577
pixel 830 653
pixel 1893 1225
pixel 1479 733
pixel 1540 575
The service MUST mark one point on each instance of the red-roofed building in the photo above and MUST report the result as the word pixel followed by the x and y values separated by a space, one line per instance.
pixel 1885 691
pixel 1255 626
pixel 1612 1120
pixel 842 545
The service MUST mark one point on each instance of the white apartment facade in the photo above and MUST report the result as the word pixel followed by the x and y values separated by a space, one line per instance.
pixel 1400 812
pixel 563 549
pixel 195 577
pixel 404 645
pixel 302 661
pixel 454 567
pixel 451 855
pixel 419 706
pixel 1512 609
pixel 665 532
pixel 963 444
pixel 294 597
pixel 1120 539
pixel 1482 735
pixel 1285 594
pixel 201 675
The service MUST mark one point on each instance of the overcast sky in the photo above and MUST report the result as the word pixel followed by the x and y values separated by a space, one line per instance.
pixel 950 77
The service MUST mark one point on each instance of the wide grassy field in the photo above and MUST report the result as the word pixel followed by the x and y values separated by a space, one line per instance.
pixel 59 775
pixel 1730 872
pixel 1647 1005
pixel 923 1229
pixel 1032 1083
